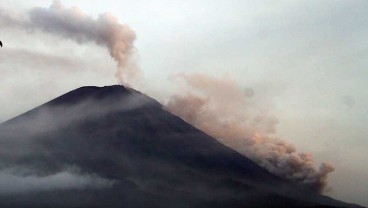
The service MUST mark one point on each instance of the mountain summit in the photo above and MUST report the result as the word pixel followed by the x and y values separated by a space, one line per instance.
pixel 116 147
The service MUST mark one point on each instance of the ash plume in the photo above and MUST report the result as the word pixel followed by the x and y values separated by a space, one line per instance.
pixel 220 107
pixel 74 24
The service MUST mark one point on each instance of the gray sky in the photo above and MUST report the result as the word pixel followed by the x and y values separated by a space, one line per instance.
pixel 306 59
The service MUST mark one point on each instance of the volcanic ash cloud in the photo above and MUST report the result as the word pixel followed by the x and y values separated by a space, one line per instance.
pixel 225 111
pixel 74 24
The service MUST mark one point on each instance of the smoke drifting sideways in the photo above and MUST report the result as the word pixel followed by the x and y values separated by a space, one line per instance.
pixel 219 107
pixel 74 24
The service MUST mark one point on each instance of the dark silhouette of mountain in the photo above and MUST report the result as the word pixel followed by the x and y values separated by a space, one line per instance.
pixel 115 147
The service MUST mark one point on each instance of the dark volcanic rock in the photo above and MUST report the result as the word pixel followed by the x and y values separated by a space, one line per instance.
pixel 137 154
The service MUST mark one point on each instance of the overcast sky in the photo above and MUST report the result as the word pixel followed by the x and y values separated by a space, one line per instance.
pixel 306 59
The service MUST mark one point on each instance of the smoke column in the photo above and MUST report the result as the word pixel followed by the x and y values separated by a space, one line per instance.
pixel 72 23
pixel 223 110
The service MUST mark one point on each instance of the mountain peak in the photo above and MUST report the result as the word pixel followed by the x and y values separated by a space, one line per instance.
pixel 149 158
pixel 82 93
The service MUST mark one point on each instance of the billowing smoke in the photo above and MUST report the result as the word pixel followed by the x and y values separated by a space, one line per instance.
pixel 74 24
pixel 225 111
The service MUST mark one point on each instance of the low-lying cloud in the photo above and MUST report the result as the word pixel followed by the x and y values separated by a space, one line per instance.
pixel 11 182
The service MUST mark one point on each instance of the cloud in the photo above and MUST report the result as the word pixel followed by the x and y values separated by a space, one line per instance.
pixel 13 183
pixel 221 108
pixel 34 59
pixel 74 24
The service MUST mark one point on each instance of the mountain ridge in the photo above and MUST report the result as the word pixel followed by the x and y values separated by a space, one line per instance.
pixel 107 119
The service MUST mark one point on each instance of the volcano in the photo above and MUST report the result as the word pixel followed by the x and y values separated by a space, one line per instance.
pixel 116 147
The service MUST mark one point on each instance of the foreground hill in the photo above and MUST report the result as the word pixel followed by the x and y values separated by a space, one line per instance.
pixel 115 147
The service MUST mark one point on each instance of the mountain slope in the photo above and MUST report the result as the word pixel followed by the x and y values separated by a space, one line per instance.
pixel 124 150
